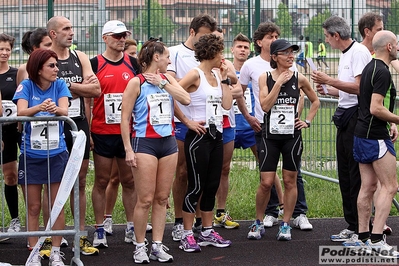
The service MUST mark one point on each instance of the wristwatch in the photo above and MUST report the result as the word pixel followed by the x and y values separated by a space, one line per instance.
pixel 307 122
pixel 163 83
pixel 226 81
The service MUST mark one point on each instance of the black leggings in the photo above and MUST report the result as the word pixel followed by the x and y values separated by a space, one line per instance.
pixel 204 158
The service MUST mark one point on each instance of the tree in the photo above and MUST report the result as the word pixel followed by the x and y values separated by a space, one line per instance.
pixel 392 20
pixel 315 30
pixel 159 26
pixel 284 21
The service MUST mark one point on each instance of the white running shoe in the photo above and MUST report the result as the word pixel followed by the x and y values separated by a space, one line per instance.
pixel 302 223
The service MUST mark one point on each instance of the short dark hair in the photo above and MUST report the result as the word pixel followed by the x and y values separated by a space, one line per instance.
pixel 241 38
pixel 203 20
pixel 32 39
pixel 7 38
pixel 262 30
pixel 307 38
pixel 367 21
pixel 148 50
pixel 36 61
pixel 208 46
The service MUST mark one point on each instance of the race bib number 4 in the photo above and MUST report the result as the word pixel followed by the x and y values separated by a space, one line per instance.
pixel 160 108
pixel 113 108
pixel 43 133
pixel 282 119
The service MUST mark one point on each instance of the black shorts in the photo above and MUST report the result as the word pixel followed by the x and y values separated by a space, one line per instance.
pixel 158 147
pixel 270 150
pixel 11 139
pixel 82 125
pixel 108 146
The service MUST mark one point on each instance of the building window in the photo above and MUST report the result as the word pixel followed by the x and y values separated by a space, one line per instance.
pixel 5 19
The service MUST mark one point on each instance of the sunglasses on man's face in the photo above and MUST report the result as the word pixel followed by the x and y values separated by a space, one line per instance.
pixel 118 36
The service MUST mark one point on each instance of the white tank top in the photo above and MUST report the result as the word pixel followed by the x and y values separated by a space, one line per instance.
pixel 206 102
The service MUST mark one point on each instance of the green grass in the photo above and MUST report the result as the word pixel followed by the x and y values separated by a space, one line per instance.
pixel 323 198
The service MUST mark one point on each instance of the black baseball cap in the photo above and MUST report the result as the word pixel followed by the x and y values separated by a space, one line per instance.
pixel 281 45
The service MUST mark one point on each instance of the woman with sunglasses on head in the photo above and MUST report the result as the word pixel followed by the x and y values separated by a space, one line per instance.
pixel 279 96
pixel 151 148
pixel 209 91
pixel 43 94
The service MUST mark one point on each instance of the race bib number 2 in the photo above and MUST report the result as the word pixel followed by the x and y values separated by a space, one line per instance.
pixel 282 119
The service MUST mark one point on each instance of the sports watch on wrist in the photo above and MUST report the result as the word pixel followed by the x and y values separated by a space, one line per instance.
pixel 163 83
pixel 307 122
pixel 227 81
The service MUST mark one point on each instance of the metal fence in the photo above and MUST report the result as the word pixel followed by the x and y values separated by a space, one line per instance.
pixel 75 231
pixel 170 20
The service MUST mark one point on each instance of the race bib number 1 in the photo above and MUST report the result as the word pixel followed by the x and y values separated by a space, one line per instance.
pixel 160 109
pixel 282 119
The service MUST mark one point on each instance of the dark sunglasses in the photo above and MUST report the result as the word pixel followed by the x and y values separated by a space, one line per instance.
pixel 53 65
pixel 118 36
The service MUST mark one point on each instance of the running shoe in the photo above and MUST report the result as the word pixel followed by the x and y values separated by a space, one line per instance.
pixel 197 230
pixel 344 235
pixel 270 221
pixel 86 248
pixel 158 252
pixel 188 244
pixel 56 258
pixel 108 226
pixel 284 234
pixel 213 239
pixel 35 261
pixel 15 226
pixel 177 232
pixel 225 220
pixel 140 255
pixel 302 223
pixel 45 250
pixel 100 238
pixel 257 230
pixel 382 248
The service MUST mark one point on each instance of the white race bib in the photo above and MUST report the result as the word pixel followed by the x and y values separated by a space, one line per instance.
pixel 160 109
pixel 74 107
pixel 113 108
pixel 214 113
pixel 282 119
pixel 248 102
pixel 9 108
pixel 43 132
